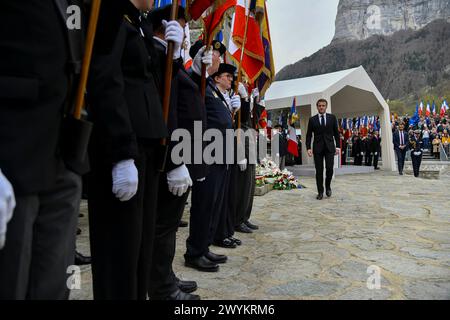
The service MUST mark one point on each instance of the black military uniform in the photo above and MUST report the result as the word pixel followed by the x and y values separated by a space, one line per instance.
pixel 186 107
pixel 128 124
pixel 375 148
pixel 416 146
pixel 357 148
pixel 367 153
pixel 38 57
pixel 245 182
pixel 208 196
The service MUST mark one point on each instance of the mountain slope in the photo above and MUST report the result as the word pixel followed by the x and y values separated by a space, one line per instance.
pixel 401 65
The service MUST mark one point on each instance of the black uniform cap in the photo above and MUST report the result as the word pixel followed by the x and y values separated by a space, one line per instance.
pixel 216 45
pixel 225 68
pixel 156 16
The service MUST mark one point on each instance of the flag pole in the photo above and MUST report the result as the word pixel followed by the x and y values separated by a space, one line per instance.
pixel 239 78
pixel 208 42
pixel 92 28
pixel 168 85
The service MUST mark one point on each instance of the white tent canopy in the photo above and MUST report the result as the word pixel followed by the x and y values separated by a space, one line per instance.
pixel 350 93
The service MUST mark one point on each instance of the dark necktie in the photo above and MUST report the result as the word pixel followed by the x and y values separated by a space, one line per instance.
pixel 322 121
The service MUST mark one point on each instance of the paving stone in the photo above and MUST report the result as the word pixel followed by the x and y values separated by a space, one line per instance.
pixel 309 249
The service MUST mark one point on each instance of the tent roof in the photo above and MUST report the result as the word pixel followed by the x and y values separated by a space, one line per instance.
pixel 303 86
pixel 281 93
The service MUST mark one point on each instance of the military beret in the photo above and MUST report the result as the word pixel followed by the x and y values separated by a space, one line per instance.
pixel 156 16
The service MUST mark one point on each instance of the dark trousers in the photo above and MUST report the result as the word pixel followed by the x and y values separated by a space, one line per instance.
pixel 400 159
pixel 40 242
pixel 375 160
pixel 203 210
pixel 358 160
pixel 169 212
pixel 368 160
pixel 245 189
pixel 252 182
pixel 122 233
pixel 222 224
pixel 329 165
pixel 416 161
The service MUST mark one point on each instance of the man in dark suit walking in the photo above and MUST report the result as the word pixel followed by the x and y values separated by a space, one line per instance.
pixel 325 128
pixel 401 141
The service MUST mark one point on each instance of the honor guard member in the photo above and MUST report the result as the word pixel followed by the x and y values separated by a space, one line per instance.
pixel 220 107
pixel 208 196
pixel 357 149
pixel 39 57
pixel 186 107
pixel 125 152
pixel 242 184
pixel 226 227
pixel 416 146
pixel 376 149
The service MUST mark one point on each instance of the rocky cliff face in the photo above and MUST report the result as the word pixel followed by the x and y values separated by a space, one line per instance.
pixel 360 19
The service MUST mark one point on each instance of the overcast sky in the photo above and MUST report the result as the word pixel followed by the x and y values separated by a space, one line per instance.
pixel 299 28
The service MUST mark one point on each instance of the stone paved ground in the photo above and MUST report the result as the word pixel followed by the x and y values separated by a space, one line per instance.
pixel 309 249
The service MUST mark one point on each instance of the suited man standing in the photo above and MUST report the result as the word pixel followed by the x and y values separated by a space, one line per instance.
pixel 401 141
pixel 325 128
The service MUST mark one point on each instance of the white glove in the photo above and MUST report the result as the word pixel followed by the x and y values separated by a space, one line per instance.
pixel 179 180
pixel 7 205
pixel 125 180
pixel 243 165
pixel 362 153
pixel 242 91
pixel 235 102
pixel 201 179
pixel 202 57
pixel 376 153
pixel 255 93
pixel 174 33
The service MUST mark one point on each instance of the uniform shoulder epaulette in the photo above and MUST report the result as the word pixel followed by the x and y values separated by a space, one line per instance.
pixel 127 18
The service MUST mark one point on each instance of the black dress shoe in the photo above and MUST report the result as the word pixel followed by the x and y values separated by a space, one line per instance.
pixel 225 243
pixel 251 225
pixel 186 286
pixel 181 295
pixel 237 241
pixel 80 215
pixel 201 264
pixel 243 228
pixel 216 258
pixel 183 224
pixel 320 196
pixel 78 231
pixel 81 260
pixel 329 193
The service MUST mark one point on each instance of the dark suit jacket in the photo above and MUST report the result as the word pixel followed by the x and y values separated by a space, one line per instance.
pixel 38 56
pixel 396 140
pixel 375 145
pixel 323 135
pixel 186 106
pixel 125 102
pixel 217 114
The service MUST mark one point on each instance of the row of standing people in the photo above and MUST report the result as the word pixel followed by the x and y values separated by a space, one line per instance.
pixel 134 209
pixel 365 150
